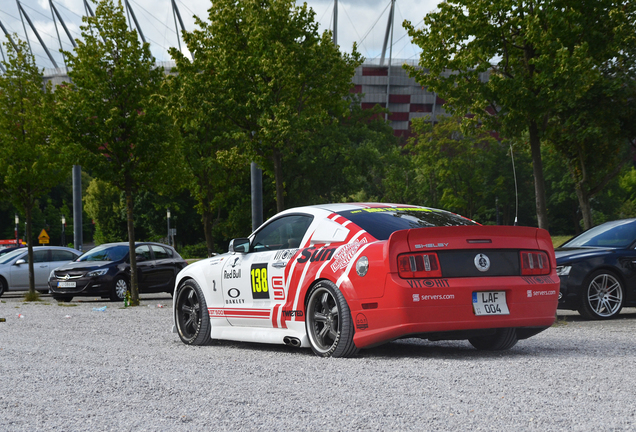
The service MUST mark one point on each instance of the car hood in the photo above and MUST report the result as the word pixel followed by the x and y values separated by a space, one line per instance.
pixel 84 265
pixel 570 254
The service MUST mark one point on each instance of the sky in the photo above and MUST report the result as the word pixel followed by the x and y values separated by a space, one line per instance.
pixel 361 21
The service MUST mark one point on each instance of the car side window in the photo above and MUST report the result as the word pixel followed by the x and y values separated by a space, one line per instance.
pixel 283 233
pixel 38 257
pixel 143 251
pixel 160 253
pixel 62 255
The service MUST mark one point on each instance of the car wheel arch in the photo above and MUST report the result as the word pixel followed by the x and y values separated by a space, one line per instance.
pixel 4 285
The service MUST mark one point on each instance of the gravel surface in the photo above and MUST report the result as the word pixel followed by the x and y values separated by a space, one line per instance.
pixel 70 368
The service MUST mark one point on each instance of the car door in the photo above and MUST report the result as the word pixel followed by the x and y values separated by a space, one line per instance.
pixel 253 283
pixel 20 272
pixel 146 275
pixel 164 270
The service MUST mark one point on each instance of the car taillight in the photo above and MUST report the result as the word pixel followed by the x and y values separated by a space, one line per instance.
pixel 534 263
pixel 421 265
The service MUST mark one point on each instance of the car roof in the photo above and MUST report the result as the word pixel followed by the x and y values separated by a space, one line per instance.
pixel 340 207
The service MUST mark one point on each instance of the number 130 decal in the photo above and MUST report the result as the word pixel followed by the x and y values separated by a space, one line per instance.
pixel 259 281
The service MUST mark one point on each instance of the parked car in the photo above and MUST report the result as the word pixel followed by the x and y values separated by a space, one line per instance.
pixel 105 271
pixel 340 277
pixel 14 266
pixel 598 270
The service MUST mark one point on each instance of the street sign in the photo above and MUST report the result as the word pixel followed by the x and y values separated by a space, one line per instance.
pixel 173 231
pixel 43 238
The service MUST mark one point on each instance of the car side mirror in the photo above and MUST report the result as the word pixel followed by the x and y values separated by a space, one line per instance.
pixel 20 262
pixel 240 245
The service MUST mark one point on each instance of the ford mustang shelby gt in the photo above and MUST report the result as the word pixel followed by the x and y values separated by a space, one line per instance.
pixel 341 277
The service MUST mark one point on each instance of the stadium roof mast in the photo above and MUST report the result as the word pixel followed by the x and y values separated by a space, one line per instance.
pixel 131 12
pixel 176 15
pixel 53 13
pixel 389 29
pixel 24 14
pixel 15 47
pixel 89 11
pixel 335 22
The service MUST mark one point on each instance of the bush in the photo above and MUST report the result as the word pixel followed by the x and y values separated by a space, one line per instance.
pixel 198 250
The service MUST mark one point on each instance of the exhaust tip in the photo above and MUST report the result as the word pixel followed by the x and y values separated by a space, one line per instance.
pixel 291 341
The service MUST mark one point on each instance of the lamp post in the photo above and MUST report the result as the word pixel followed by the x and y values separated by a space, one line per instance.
pixel 17 221
pixel 63 230
pixel 168 215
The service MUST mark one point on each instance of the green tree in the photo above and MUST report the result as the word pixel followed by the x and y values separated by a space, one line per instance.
pixel 515 64
pixel 274 77
pixel 30 163
pixel 111 112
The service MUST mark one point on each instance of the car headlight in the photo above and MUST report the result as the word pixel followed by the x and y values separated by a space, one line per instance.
pixel 563 270
pixel 362 266
pixel 52 274
pixel 94 273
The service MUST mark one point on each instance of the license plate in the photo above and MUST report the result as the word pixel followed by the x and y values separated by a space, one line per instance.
pixel 66 284
pixel 490 303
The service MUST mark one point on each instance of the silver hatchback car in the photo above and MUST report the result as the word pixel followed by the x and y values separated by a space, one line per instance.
pixel 14 266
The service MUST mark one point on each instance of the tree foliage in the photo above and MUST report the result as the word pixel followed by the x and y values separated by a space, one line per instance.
pixel 111 111
pixel 30 163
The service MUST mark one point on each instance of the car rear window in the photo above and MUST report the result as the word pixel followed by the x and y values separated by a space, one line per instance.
pixel 384 221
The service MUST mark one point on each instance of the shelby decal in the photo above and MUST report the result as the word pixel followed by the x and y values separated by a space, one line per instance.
pixel 278 287
pixel 260 289
pixel 344 255
pixel 430 245
pixel 361 322
pixel 537 280
pixel 428 283
pixel 216 312
pixel 232 274
pixel 285 254
pixel 540 293
pixel 292 313
pixel 316 255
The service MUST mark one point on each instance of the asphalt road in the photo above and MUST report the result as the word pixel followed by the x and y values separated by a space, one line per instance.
pixel 70 368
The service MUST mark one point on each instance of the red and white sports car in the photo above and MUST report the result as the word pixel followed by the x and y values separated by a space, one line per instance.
pixel 341 277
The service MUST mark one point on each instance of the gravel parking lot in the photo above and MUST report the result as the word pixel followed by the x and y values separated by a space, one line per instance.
pixel 69 368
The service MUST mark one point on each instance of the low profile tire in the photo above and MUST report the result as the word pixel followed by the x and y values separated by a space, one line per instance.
pixel 119 289
pixel 191 314
pixel 3 286
pixel 328 322
pixel 62 298
pixel 603 296
pixel 503 339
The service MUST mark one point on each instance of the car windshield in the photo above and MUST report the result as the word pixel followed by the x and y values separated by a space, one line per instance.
pixel 11 255
pixel 619 233
pixel 382 222
pixel 105 253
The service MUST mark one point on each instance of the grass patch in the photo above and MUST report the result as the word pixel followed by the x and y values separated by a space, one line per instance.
pixel 559 240
pixel 560 322
pixel 32 296
pixel 67 304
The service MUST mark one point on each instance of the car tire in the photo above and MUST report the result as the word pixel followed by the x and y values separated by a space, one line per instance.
pixel 62 298
pixel 328 322
pixel 119 289
pixel 191 314
pixel 43 291
pixel 503 339
pixel 3 286
pixel 602 297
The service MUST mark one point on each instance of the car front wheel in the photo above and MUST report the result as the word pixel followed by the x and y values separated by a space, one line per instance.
pixel 328 322
pixel 603 296
pixel 119 289
pixel 191 314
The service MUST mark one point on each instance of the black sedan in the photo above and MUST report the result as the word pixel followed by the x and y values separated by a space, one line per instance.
pixel 598 270
pixel 105 271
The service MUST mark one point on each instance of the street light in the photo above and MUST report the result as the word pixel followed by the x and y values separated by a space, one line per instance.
pixel 63 230
pixel 17 221
pixel 168 215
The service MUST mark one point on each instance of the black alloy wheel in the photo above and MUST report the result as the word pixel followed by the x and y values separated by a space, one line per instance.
pixel 328 322
pixel 191 314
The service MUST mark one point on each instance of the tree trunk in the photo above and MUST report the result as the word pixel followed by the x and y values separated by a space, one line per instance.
pixel 537 171
pixel 584 205
pixel 207 228
pixel 278 177
pixel 29 236
pixel 134 286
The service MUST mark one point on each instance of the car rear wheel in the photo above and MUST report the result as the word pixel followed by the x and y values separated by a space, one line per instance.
pixel 62 298
pixel 191 314
pixel 328 322
pixel 503 339
pixel 603 296
pixel 119 289
pixel 3 286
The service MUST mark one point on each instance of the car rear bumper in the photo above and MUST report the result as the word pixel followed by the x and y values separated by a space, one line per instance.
pixel 420 307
